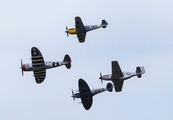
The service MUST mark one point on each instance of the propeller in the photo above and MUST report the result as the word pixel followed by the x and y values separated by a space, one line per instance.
pixel 22 66
pixel 67 31
pixel 101 78
pixel 73 94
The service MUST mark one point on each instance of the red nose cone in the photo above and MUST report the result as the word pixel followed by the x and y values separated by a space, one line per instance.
pixel 23 67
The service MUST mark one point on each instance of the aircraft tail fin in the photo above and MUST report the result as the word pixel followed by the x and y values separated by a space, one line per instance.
pixel 140 71
pixel 68 60
pixel 104 24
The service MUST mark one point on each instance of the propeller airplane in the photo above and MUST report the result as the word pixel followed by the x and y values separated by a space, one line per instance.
pixel 118 77
pixel 38 66
pixel 80 30
pixel 86 94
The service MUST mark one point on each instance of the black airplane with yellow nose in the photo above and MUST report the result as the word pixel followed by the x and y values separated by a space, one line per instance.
pixel 80 30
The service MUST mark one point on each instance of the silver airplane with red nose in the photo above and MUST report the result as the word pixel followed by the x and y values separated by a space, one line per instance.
pixel 118 77
pixel 38 66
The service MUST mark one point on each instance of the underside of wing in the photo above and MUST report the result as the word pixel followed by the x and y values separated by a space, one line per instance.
pixel 80 28
pixel 118 85
pixel 85 94
pixel 37 58
pixel 116 70
pixel 39 76
pixel 79 25
pixel 81 37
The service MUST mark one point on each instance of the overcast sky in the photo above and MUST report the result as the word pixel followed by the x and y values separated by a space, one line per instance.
pixel 140 33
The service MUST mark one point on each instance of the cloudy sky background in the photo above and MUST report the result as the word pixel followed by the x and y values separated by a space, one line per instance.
pixel 140 33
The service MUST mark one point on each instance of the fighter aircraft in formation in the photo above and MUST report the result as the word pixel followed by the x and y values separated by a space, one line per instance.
pixel 80 30
pixel 86 94
pixel 118 77
pixel 38 66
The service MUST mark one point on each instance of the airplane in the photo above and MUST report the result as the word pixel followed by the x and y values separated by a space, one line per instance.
pixel 80 30
pixel 118 77
pixel 86 94
pixel 38 66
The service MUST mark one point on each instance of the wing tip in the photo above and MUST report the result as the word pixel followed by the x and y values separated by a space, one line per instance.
pixel 77 17
pixel 34 47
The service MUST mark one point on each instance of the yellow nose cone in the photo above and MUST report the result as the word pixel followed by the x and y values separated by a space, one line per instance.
pixel 72 31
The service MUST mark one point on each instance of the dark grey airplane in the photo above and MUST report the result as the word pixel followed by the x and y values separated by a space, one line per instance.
pixel 86 94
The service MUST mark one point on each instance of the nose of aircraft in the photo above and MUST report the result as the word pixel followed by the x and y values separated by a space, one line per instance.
pixel 23 67
pixel 67 33
pixel 101 78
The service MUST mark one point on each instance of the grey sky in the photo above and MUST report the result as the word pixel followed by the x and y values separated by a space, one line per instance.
pixel 139 33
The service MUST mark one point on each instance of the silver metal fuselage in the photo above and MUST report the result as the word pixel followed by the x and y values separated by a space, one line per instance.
pixel 48 65
pixel 126 75
pixel 93 92
pixel 92 27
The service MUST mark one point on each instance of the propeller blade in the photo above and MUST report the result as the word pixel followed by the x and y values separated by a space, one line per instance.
pixel 101 78
pixel 73 95
pixel 22 66
pixel 67 31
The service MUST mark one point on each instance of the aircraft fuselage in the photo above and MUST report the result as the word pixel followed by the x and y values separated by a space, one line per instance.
pixel 96 91
pixel 93 92
pixel 76 95
pixel 48 65
pixel 126 75
pixel 73 31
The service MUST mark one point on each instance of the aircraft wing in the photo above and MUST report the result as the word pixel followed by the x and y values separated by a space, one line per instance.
pixel 118 85
pixel 39 76
pixel 85 94
pixel 116 74
pixel 81 37
pixel 116 70
pixel 80 28
pixel 38 62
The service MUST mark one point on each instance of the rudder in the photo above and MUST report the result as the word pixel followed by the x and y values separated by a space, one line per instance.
pixel 104 23
pixel 68 60
pixel 140 71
